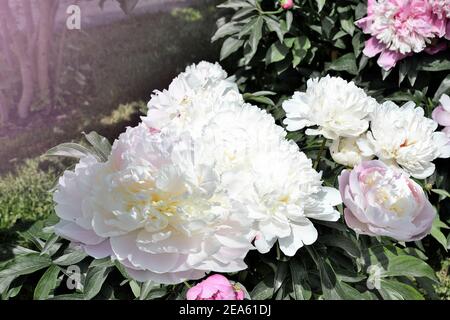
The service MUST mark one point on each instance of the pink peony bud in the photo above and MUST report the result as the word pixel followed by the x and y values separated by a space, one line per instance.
pixel 287 4
pixel 384 201
pixel 215 287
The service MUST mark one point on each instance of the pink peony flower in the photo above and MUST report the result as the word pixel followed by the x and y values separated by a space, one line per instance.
pixel 287 4
pixel 441 8
pixel 399 28
pixel 384 201
pixel 215 287
pixel 442 113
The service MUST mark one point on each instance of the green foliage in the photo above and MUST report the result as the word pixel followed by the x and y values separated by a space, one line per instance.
pixel 443 289
pixel 25 195
pixel 45 270
pixel 278 50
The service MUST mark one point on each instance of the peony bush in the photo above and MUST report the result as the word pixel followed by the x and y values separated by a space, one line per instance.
pixel 314 184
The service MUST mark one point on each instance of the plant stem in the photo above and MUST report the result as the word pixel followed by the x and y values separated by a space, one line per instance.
pixel 319 156
pixel 187 284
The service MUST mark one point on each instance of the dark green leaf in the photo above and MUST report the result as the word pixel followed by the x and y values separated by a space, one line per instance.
pixel 94 280
pixel 276 52
pixel 70 258
pixel 264 289
pixel 230 46
pixel 47 283
pixel 300 285
pixel 394 290
pixel 25 264
pixel 71 150
pixel 101 144
pixel 345 63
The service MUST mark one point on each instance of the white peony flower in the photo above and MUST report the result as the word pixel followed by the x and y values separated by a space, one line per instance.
pixel 184 195
pixel 345 151
pixel 192 98
pixel 167 215
pixel 272 178
pixel 339 108
pixel 286 193
pixel 73 205
pixel 404 136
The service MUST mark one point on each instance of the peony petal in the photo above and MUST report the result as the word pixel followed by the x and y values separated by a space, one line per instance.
pixel 388 59
pixel 302 234
pixel 441 116
pixel 373 47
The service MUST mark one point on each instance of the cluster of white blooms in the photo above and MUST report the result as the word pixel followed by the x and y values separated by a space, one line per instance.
pixel 362 129
pixel 404 136
pixel 201 181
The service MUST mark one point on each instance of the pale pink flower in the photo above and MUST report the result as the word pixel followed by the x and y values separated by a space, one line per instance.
pixel 215 287
pixel 383 201
pixel 442 113
pixel 399 28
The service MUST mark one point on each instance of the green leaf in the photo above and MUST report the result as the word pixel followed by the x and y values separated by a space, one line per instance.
pixel 226 30
pixel 276 52
pixel 347 23
pixel 280 274
pixel 101 144
pixel 443 88
pixel 360 10
pixel 105 262
pixel 5 282
pixel 49 244
pixel 255 37
pixel 25 264
pixel 243 13
pixel 263 290
pixel 71 150
pixel 433 64
pixel 340 241
pixel 274 26
pixel 299 277
pixel 320 5
pixel 346 62
pixel 300 50
pixel 230 45
pixel 437 234
pixel 406 265
pixel 135 288
pixel 289 19
pixel 47 283
pixel 70 258
pixel 146 288
pixel 121 269
pixel 442 193
pixel 258 99
pixel 72 296
pixel 394 290
pixel 157 293
pixel 94 280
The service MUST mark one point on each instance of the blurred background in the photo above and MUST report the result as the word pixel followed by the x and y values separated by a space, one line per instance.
pixel 73 66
